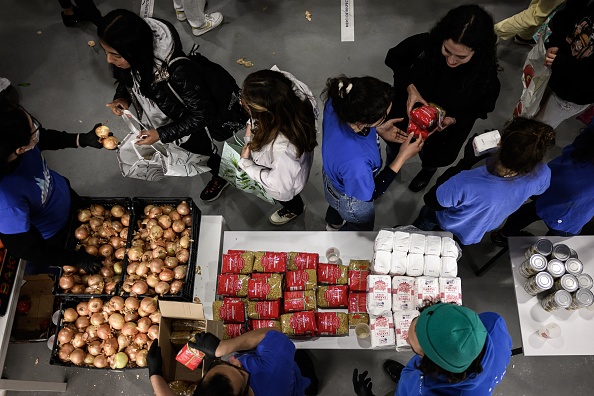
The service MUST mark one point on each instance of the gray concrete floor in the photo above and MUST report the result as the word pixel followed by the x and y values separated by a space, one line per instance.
pixel 70 84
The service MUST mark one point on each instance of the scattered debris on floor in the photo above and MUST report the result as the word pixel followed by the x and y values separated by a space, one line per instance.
pixel 308 15
pixel 198 270
pixel 36 361
pixel 91 43
pixel 39 32
pixel 246 63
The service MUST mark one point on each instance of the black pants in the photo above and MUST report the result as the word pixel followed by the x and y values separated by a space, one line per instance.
pixel 294 206
pixel 201 143
pixel 87 8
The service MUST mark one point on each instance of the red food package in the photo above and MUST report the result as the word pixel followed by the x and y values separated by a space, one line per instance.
pixel 237 263
pixel 357 302
pixel 230 310
pixel 190 357
pixel 332 296
pixel 301 280
pixel 260 275
pixel 233 330
pixel 256 324
pixel 301 261
pixel 358 280
pixel 332 323
pixel 332 274
pixel 300 301
pixel 233 285
pixel 264 309
pixel 269 288
pixel 424 119
pixel 235 251
pixel 299 323
pixel 270 262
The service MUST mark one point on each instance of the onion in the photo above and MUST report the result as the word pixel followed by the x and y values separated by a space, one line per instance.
pixel 160 252
pixel 123 342
pixel 66 282
pixel 144 324
pixel 131 317
pixel 102 131
pixel 178 226
pixel 187 219
pixel 183 255
pixel 120 360
pixel 142 269
pixel 92 250
pixel 96 223
pixel 117 268
pixel 124 233
pixel 77 356
pixel 169 235
pixel 94 280
pixel 186 233
pixel 109 346
pixel 94 348
pixel 69 269
pixel 131 268
pixel 116 321
pixel 125 219
pixel 78 340
pixel 116 242
pixel 97 319
pixel 135 253
pixel 110 287
pixel 132 351
pixel 180 272
pixel 162 288
pixel 175 215
pixel 91 332
pixel 100 361
pixel 89 359
pixel 153 332
pixel 155 212
pixel 95 304
pixel 167 209
pixel 117 226
pixel 84 215
pixel 104 331
pixel 140 339
pixel 82 323
pixel 65 351
pixel 184 242
pixel 141 358
pixel 171 262
pixel 110 143
pixel 77 289
pixel 149 304
pixel 139 287
pixel 93 241
pixel 106 272
pixel 117 303
pixel 155 317
pixel 81 233
pixel 106 250
pixel 65 335
pixel 152 280
pixel 156 265
pixel 82 308
pixel 170 246
pixel 156 232
pixel 117 211
pixel 132 303
pixel 142 313
pixel 164 221
pixel 130 329
pixel 183 208
pixel 175 286
pixel 70 315
pixel 166 275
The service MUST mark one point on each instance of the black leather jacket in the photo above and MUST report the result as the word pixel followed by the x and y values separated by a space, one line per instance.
pixel 198 110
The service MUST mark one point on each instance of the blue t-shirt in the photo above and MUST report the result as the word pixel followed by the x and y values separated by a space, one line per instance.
pixel 497 355
pixel 568 204
pixel 476 201
pixel 34 195
pixel 272 367
pixel 350 160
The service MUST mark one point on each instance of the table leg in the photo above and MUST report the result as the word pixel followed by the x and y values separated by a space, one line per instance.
pixel 480 271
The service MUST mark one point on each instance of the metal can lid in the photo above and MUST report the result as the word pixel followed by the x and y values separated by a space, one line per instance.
pixel 563 298
pixel 584 297
pixel 544 280
pixel 569 282
pixel 556 268
pixel 561 252
pixel 573 253
pixel 543 246
pixel 585 281
pixel 574 266
pixel 538 262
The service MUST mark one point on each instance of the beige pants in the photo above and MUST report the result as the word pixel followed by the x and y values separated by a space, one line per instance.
pixel 527 22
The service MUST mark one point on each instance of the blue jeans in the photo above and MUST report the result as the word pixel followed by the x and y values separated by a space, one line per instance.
pixel 427 220
pixel 359 215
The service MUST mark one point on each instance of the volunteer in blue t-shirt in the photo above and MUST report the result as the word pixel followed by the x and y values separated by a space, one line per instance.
pixel 35 200
pixel 475 201
pixel 354 114
pixel 458 352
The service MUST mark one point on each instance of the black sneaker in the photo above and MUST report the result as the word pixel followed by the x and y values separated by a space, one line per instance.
pixel 523 41
pixel 498 239
pixel 393 369
pixel 71 20
pixel 213 189
pixel 421 180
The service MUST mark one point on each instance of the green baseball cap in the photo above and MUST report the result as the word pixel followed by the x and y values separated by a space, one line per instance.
pixel 451 336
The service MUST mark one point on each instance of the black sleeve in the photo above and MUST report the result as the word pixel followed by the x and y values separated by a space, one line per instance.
pixel 401 58
pixel 487 103
pixel 430 199
pixel 562 22
pixel 383 181
pixel 50 139
pixel 32 247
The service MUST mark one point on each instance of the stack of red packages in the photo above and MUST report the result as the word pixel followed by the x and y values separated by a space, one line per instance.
pixel 425 119
pixel 302 261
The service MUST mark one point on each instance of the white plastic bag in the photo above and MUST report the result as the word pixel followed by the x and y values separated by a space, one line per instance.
pixel 535 78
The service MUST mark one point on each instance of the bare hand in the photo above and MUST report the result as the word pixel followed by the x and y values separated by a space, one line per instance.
pixel 148 137
pixel 118 106
pixel 409 149
pixel 390 132
pixel 550 56
pixel 447 121
pixel 245 151
pixel 414 97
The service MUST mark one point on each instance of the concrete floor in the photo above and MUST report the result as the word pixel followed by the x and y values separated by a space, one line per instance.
pixel 70 84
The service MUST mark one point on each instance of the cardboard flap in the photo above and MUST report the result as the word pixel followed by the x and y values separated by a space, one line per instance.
pixel 181 310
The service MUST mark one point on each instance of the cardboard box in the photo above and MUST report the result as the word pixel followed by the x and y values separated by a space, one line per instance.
pixel 170 310
pixel 35 325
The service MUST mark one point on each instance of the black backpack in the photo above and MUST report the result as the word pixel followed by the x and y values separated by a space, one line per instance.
pixel 224 90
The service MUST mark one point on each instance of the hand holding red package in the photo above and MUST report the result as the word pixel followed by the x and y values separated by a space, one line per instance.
pixel 425 119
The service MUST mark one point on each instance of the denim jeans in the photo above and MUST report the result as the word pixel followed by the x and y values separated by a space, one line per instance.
pixel 427 220
pixel 359 215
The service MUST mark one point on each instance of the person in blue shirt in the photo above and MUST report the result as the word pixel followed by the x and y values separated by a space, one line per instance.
pixel 475 201
pixel 568 204
pixel 355 114
pixel 458 352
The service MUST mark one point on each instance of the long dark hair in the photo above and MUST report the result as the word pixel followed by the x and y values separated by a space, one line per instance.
pixel 15 130
pixel 132 38
pixel 471 26
pixel 358 99
pixel 584 145
pixel 269 98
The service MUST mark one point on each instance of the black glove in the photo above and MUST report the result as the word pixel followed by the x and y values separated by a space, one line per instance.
pixel 83 260
pixel 154 360
pixel 90 139
pixel 206 343
pixel 361 385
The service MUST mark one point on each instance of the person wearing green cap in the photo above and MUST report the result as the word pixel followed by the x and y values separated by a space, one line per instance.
pixel 458 352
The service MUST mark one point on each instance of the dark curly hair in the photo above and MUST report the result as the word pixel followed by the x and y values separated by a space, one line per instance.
pixel 16 131
pixel 583 145
pixel 366 101
pixel 471 26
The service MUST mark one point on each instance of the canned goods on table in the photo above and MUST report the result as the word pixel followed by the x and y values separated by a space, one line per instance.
pixel 533 265
pixel 542 246
pixel 581 298
pixel 556 268
pixel 566 282
pixel 574 266
pixel 556 300
pixel 573 253
pixel 538 283
pixel 561 252
pixel 585 281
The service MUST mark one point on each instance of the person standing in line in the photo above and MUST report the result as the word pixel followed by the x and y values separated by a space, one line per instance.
pixel 522 26
pixel 193 12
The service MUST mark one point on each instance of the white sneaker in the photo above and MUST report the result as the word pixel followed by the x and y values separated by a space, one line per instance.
pixel 283 216
pixel 334 227
pixel 212 21
pixel 180 15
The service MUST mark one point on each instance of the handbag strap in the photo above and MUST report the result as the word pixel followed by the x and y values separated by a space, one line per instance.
pixel 126 116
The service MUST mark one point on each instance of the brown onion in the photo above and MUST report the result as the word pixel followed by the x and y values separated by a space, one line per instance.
pixel 91 332
pixel 160 252
pixel 117 303
pixel 125 219
pixel 152 279
pixel 117 226
pixel 155 212
pixel 175 286
pixel 97 319
pixel 186 233
pixel 84 215
pixel 131 268
pixel 106 250
pixel 183 255
pixel 187 219
pixel 97 210
pixel 100 361
pixel 142 313
pixel 130 329
pixel 89 359
pixel 180 272
pixel 141 358
pixel 81 232
pixel 82 322
pixel 93 241
pixel 96 223
pixel 162 288
pixel 66 282
pixel 94 348
pixel 78 340
pixel 69 269
pixel 123 342
pixel 166 275
pixel 135 253
pixel 164 221
pixel 65 335
pixel 183 208
pixel 92 250
pixel 110 143
pixel 70 315
pixel 170 246
pixel 95 304
pixel 117 268
pixel 139 287
pixel 94 280
pixel 142 269
pixel 184 242
pixel 131 317
pixel 155 317
pixel 167 209
pixel 116 321
pixel 178 226
pixel 64 353
pixel 169 235
pixel 104 331
pixel 131 351
pixel 153 332
pixel 156 265
pixel 77 289
pixel 156 232
pixel 117 211
pixel 77 356
pixel 175 215
pixel 171 262
pixel 132 303
pixel 102 131
pixel 82 308
pixel 149 304
pixel 124 233
pixel 144 324
pixel 110 287
pixel 140 339
pixel 109 346
pixel 116 242
pixel 106 272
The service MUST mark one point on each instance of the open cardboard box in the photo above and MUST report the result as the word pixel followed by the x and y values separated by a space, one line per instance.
pixel 35 325
pixel 170 310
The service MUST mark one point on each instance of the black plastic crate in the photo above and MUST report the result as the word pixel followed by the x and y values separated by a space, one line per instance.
pixel 71 241
pixel 187 292
pixel 72 303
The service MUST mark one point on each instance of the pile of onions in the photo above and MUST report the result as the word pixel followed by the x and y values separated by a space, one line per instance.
pixel 102 232
pixel 109 142
pixel 114 333
pixel 158 258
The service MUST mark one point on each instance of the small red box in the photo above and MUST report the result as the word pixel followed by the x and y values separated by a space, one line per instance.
pixel 190 357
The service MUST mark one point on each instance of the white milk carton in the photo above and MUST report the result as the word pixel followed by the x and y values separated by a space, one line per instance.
pixel 398 263
pixel 450 290
pixel 403 293
pixel 426 290
pixel 382 331
pixel 432 266
pixel 402 321
pixel 415 264
pixel 379 294
pixel 401 241
pixel 486 142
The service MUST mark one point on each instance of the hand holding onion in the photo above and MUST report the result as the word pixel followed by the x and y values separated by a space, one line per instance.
pixel 105 137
